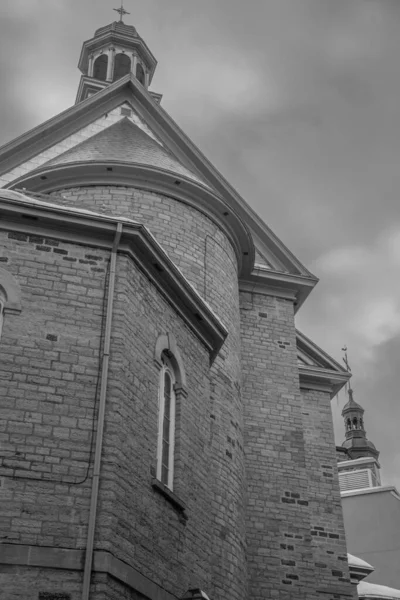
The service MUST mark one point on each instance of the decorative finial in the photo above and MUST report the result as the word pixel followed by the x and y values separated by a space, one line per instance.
pixel 121 11
pixel 348 368
pixel 345 359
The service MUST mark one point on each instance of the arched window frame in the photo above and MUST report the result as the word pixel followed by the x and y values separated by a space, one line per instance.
pixel 10 296
pixel 166 424
pixel 169 362
pixel 102 59
pixel 2 304
pixel 119 59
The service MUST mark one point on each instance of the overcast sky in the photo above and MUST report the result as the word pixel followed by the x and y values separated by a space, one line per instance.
pixel 297 103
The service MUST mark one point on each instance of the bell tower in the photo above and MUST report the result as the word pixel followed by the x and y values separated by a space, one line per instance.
pixel 114 51
pixel 356 438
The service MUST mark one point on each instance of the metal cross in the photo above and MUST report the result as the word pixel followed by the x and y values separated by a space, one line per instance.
pixel 345 359
pixel 121 11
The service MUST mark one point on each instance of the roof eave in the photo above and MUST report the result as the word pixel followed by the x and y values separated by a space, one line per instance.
pixel 136 240
pixel 50 179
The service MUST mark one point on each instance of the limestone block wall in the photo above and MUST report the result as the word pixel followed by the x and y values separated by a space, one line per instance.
pixel 280 487
pixel 206 258
pixel 136 523
pixel 326 515
pixel 49 358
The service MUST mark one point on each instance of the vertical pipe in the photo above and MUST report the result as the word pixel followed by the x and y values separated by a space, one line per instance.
pixel 100 421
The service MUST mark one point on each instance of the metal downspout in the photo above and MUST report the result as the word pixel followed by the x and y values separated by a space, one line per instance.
pixel 100 421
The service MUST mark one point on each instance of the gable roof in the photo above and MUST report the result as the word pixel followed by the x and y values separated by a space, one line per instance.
pixel 123 142
pixel 318 370
pixel 290 272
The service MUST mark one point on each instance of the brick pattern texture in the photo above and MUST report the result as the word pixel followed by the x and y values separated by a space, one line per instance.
pixel 261 522
pixel 283 495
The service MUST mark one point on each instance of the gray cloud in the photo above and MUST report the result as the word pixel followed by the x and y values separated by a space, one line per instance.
pixel 297 103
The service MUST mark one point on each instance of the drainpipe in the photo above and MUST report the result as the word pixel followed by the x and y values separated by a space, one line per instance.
pixel 100 421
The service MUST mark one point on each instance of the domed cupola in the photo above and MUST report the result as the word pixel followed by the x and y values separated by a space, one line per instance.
pixel 356 438
pixel 114 51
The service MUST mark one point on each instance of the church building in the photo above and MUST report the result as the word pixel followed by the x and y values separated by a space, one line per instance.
pixel 166 431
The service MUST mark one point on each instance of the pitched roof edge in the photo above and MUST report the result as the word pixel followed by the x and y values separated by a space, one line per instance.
pixel 151 179
pixel 181 145
pixel 319 353
pixel 70 224
pixel 326 375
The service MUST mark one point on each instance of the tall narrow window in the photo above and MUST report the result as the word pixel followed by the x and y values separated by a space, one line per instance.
pixel 166 424
pixel 1 313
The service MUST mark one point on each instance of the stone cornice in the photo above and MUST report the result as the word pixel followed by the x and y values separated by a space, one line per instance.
pixel 50 179
pixel 76 225
pixel 273 283
pixel 72 560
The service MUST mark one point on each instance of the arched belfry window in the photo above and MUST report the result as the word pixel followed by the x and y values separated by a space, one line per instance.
pixel 166 423
pixel 100 67
pixel 122 66
pixel 140 76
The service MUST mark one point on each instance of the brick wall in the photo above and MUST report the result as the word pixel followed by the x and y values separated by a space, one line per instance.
pixel 136 523
pixel 281 548
pixel 205 256
pixel 29 583
pixel 326 516
pixel 49 357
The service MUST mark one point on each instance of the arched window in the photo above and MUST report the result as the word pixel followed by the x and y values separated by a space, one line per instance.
pixel 2 304
pixel 166 423
pixel 140 76
pixel 100 67
pixel 10 296
pixel 122 66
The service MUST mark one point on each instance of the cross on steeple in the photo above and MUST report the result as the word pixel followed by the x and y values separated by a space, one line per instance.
pixel 121 11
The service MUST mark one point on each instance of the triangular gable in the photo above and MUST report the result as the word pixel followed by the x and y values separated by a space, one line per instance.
pixel 162 127
pixel 316 368
pixel 124 141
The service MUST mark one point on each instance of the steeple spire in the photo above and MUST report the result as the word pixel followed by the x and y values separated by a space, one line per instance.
pixel 122 12
pixel 115 51
pixel 353 414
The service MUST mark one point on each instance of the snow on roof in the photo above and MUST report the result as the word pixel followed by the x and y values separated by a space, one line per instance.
pixel 373 591
pixel 354 561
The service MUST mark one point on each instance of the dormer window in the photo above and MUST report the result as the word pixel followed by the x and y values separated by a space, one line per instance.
pixel 122 66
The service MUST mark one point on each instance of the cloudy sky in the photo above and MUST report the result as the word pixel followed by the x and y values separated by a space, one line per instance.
pixel 297 102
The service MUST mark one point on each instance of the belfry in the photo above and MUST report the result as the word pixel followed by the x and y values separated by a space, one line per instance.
pixel 114 51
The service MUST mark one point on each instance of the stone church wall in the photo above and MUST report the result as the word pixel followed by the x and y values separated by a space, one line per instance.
pixel 280 501
pixel 49 359
pixel 327 528
pixel 51 390
pixel 205 256
pixel 136 523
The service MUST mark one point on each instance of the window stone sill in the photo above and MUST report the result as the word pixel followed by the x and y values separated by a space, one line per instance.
pixel 170 496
